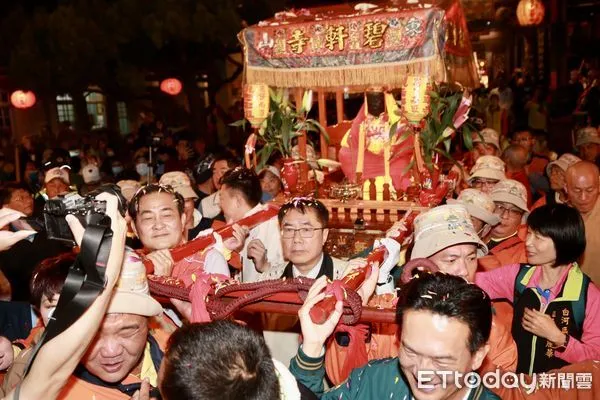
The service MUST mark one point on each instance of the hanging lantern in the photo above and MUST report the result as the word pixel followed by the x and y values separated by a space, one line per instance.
pixel 256 103
pixel 415 98
pixel 171 86
pixel 21 99
pixel 530 12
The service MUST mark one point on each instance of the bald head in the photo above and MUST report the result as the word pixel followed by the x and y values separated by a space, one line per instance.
pixel 515 156
pixel 582 185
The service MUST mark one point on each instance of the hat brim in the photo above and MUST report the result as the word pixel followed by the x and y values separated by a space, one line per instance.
pixel 479 140
pixel 557 163
pixel 186 192
pixel 511 199
pixel 587 141
pixel 487 173
pixel 62 178
pixel 478 212
pixel 134 303
pixel 441 240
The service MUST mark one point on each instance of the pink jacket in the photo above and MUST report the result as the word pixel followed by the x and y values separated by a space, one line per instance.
pixel 500 282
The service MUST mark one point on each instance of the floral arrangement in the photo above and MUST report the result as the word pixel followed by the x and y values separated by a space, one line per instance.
pixel 283 124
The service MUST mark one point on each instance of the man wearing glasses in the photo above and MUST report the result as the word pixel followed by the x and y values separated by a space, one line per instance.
pixel 487 171
pixel 506 243
pixel 303 224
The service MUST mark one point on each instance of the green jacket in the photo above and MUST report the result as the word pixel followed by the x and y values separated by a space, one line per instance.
pixel 379 379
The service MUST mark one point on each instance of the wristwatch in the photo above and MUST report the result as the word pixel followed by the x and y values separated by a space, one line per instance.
pixel 563 346
pixel 388 280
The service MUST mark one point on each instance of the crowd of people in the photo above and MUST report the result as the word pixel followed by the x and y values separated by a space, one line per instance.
pixel 512 283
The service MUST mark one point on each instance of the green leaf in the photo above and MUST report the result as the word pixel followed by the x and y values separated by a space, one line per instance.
pixel 241 122
pixel 467 137
pixel 393 129
pixel 448 144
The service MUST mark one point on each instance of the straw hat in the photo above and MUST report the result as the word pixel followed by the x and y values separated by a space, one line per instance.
pixel 442 227
pixel 563 162
pixel 180 182
pixel 489 136
pixel 587 135
pixel 489 167
pixel 132 293
pixel 511 191
pixel 479 205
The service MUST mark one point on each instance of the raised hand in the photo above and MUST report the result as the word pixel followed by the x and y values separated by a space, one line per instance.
pixel 315 335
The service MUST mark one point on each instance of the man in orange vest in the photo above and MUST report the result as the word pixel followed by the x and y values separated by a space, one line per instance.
pixel 446 236
pixel 126 350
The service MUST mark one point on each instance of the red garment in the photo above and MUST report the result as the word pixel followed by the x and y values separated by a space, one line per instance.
pixel 537 165
pixel 510 251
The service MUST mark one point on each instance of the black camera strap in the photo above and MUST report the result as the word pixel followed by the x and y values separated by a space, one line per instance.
pixel 84 283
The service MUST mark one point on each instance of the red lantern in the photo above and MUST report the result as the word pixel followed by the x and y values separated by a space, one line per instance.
pixel 171 86
pixel 530 12
pixel 21 99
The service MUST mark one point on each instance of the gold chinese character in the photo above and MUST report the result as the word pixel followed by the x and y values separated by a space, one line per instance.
pixel 565 312
pixel 335 36
pixel 373 32
pixel 549 353
pixel 298 41
pixel 564 320
pixel 564 330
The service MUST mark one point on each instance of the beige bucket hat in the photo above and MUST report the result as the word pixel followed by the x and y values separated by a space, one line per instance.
pixel 479 205
pixel 511 191
pixel 442 227
pixel 129 188
pixel 489 167
pixel 587 135
pixel 180 182
pixel 132 293
pixel 489 136
pixel 563 162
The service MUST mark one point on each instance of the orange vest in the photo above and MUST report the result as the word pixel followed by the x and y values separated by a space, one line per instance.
pixel 77 389
pixel 510 251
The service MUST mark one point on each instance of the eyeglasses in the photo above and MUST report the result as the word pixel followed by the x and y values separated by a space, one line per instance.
pixel 478 182
pixel 305 233
pixel 512 212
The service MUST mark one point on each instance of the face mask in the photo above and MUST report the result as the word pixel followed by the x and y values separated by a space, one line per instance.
pixel 116 170
pixel 142 169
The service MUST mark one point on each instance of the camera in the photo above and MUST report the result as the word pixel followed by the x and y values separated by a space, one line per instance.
pixel 87 209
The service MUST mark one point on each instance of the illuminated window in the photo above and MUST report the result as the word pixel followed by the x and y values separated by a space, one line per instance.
pixel 96 109
pixel 122 115
pixel 65 109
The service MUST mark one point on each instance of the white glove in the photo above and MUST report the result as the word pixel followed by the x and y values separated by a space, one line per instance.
pixel 7 238
pixel 385 283
pixel 205 232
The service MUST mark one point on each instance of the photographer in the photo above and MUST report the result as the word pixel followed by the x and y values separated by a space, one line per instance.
pixel 57 360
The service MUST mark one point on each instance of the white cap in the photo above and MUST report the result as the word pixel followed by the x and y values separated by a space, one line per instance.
pixel 58 172
pixel 90 173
